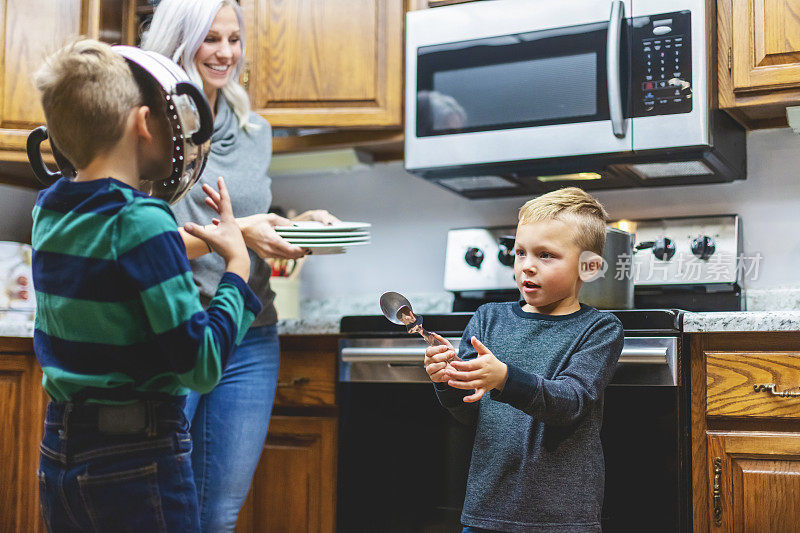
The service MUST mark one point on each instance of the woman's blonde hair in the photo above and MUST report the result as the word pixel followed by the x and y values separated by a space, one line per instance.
pixel 573 206
pixel 87 92
pixel 178 29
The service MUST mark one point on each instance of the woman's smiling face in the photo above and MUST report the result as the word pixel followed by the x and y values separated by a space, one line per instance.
pixel 220 52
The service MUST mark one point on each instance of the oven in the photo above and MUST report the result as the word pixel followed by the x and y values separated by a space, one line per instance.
pixel 404 459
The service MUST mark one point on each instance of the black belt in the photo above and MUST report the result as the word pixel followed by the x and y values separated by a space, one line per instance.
pixel 139 417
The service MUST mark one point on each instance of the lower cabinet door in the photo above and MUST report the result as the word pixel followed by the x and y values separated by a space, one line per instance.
pixel 22 407
pixel 754 481
pixel 294 487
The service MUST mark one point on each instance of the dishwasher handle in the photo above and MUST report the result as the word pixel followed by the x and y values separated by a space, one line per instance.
pixel 636 355
pixel 384 355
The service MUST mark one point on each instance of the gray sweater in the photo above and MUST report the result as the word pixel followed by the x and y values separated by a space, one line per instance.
pixel 537 462
pixel 242 158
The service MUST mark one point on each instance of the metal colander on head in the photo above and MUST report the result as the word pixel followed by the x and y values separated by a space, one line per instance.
pixel 189 117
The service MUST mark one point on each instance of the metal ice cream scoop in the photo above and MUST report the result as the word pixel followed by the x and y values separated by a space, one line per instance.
pixel 398 310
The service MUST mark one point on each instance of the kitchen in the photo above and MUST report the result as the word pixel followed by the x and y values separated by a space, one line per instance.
pixel 410 219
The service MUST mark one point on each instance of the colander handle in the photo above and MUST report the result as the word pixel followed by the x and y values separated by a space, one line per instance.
pixel 206 119
pixel 34 149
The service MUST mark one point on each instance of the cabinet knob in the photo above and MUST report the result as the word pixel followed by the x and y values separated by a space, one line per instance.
pixel 772 389
pixel 244 78
pixel 717 492
pixel 294 382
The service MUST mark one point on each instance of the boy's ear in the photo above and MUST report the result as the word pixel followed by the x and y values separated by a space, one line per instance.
pixel 141 121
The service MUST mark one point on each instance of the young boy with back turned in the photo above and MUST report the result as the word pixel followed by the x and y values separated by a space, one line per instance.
pixel 120 331
pixel 537 461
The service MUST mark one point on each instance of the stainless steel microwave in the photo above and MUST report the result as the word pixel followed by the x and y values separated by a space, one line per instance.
pixel 516 97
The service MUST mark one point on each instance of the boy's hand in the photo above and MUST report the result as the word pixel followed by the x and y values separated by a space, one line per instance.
pixel 224 236
pixel 437 360
pixel 484 373
pixel 259 231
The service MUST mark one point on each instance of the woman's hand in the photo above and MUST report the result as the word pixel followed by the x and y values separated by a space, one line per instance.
pixel 260 235
pixel 317 215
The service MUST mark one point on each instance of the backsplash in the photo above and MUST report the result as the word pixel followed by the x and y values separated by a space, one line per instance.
pixel 411 217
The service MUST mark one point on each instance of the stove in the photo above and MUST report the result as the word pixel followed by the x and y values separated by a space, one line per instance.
pixel 689 263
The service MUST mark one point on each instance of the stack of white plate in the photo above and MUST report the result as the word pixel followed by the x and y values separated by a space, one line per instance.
pixel 320 238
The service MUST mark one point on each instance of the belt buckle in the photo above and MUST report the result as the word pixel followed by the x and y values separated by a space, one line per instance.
pixel 122 419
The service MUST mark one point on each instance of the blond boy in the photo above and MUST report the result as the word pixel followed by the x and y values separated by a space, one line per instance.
pixel 120 332
pixel 537 462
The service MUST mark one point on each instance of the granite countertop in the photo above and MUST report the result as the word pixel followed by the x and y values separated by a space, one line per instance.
pixel 733 321
pixel 322 316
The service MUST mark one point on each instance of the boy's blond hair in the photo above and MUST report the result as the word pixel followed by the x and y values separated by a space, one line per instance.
pixel 87 92
pixel 574 206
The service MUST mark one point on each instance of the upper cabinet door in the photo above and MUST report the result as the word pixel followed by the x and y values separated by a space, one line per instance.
pixel 766 44
pixel 32 29
pixel 336 63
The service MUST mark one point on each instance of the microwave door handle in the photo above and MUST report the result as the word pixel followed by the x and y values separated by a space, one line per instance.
pixel 613 68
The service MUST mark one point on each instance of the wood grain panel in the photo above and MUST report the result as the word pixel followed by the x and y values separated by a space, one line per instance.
pixel 766 44
pixel 11 444
pixel 732 375
pixel 759 482
pixel 326 51
pixel 308 372
pixel 778 32
pixel 334 63
pixel 700 487
pixel 294 487
pixel 32 29
pixel 22 407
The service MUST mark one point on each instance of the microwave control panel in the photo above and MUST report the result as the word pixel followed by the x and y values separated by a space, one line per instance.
pixel 661 56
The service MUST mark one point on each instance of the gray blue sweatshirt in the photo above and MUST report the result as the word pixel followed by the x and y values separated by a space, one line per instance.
pixel 537 461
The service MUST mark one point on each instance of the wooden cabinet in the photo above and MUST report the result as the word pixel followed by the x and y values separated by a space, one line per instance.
pixel 745 439
pixel 22 407
pixel 759 59
pixel 755 480
pixel 294 487
pixel 337 63
pixel 29 31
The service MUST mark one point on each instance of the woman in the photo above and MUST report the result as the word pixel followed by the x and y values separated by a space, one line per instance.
pixel 229 425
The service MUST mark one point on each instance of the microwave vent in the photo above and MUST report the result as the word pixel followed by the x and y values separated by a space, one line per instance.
pixel 671 170
pixel 476 183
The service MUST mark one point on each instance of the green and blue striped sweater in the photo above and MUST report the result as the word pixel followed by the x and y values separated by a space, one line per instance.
pixel 118 314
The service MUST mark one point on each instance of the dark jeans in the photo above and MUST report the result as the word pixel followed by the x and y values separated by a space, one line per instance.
pixel 91 479
pixel 468 529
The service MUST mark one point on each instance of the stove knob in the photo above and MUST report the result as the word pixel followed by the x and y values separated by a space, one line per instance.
pixel 664 248
pixel 474 257
pixel 506 253
pixel 703 247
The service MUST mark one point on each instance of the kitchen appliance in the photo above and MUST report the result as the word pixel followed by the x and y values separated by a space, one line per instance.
pixel 389 414
pixel 403 459
pixel 519 97
pixel 187 112
pixel 694 263
pixel 479 264
pixel 689 263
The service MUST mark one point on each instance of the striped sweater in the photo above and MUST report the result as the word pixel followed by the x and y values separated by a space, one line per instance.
pixel 118 313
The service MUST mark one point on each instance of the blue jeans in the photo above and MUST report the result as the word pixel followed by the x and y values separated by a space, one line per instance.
pixel 93 481
pixel 229 426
